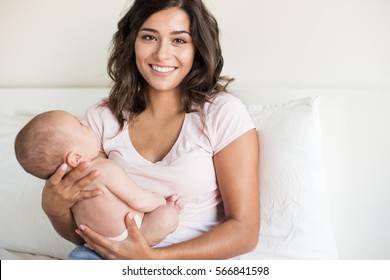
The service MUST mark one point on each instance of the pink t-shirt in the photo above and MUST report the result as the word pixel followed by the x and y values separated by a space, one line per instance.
pixel 188 168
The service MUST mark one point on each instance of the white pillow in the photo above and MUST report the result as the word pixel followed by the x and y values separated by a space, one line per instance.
pixel 295 216
pixel 24 225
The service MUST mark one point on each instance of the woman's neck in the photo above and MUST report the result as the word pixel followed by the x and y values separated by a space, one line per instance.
pixel 164 104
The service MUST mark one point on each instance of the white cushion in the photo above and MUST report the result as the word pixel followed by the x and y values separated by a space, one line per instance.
pixel 24 225
pixel 295 217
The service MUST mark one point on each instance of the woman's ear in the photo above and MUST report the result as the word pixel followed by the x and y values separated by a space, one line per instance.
pixel 73 159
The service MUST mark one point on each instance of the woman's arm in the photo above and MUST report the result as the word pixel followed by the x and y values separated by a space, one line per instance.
pixel 237 173
pixel 61 192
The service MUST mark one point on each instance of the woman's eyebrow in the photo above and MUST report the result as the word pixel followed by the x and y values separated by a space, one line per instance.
pixel 178 32
pixel 149 30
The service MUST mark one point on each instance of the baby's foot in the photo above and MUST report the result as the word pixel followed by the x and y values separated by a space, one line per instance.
pixel 176 201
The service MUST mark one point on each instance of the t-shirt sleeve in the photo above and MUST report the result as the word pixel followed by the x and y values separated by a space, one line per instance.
pixel 226 119
pixel 94 118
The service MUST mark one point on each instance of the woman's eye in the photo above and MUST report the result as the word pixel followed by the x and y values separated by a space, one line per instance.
pixel 149 37
pixel 179 41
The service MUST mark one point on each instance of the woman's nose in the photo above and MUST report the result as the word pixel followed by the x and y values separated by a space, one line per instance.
pixel 163 50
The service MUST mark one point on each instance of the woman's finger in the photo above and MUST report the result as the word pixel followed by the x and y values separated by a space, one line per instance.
pixel 132 228
pixel 56 178
pixel 97 241
pixel 80 184
pixel 94 238
pixel 135 242
pixel 75 174
pixel 82 195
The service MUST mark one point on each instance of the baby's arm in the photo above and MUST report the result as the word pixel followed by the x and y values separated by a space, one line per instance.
pixel 120 184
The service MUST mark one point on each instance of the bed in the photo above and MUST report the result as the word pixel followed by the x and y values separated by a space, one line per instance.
pixel 306 160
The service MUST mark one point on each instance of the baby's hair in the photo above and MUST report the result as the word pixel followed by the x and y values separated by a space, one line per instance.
pixel 40 146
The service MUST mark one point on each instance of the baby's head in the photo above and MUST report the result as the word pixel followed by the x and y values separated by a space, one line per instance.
pixel 52 138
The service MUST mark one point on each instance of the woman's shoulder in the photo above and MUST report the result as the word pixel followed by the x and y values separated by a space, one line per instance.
pixel 224 102
pixel 101 120
pixel 225 97
pixel 99 111
pixel 226 119
pixel 97 108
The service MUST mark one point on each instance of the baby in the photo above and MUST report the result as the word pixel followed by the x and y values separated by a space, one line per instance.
pixel 55 137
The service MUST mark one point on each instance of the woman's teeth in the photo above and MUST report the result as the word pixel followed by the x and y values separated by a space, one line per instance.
pixel 163 69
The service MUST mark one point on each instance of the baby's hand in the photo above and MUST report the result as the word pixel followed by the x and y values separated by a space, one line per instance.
pixel 176 201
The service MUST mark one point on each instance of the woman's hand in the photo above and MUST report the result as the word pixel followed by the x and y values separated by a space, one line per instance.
pixel 134 247
pixel 62 191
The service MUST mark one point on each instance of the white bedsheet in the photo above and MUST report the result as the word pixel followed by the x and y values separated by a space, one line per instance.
pixel 10 255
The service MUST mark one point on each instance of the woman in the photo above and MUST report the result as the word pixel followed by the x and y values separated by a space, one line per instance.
pixel 170 124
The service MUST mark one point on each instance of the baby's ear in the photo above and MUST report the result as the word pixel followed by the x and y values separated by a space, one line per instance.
pixel 73 159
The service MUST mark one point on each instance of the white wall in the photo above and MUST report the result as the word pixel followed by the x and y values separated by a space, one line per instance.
pixel 307 43
pixel 55 43
pixel 278 43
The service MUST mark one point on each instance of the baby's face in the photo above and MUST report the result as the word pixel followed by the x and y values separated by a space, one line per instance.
pixel 87 143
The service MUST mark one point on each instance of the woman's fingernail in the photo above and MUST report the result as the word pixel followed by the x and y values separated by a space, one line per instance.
pixel 82 227
pixel 130 215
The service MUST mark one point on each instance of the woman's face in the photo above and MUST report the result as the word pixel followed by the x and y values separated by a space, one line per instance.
pixel 164 49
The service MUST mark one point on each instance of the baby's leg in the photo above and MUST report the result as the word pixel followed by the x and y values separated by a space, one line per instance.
pixel 156 225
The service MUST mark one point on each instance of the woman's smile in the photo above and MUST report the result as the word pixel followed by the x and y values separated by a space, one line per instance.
pixel 166 70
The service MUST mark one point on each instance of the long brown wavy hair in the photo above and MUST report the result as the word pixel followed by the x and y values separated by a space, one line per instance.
pixel 199 86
